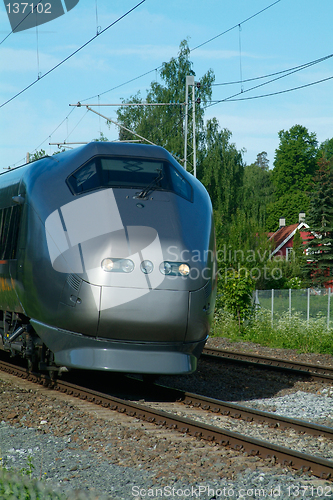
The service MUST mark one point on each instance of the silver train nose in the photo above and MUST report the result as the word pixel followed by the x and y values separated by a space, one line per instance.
pixel 143 315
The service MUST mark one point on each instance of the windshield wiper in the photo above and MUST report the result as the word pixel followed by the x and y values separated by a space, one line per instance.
pixel 151 186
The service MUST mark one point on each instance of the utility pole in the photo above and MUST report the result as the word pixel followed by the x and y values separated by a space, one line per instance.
pixel 190 83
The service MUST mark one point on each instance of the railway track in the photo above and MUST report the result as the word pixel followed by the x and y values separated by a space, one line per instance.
pixel 319 373
pixel 319 467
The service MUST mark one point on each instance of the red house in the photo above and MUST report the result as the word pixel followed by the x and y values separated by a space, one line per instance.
pixel 283 238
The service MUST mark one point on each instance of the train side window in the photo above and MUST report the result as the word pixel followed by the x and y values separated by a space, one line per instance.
pixel 9 230
pixel 85 179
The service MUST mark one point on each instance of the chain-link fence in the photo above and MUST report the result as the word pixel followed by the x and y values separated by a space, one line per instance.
pixel 308 303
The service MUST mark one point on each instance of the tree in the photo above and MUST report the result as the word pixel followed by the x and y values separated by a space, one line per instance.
pixel 101 138
pixel 258 190
pixel 262 160
pixel 221 170
pixel 288 206
pixel 242 248
pixel 295 165
pixel 326 149
pixel 295 160
pixel 37 155
pixel 320 219
pixel 163 125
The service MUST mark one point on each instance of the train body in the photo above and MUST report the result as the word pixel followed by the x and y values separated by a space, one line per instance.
pixel 107 261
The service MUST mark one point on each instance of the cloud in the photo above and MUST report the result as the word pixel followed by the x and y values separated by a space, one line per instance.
pixel 25 61
pixel 159 52
pixel 221 54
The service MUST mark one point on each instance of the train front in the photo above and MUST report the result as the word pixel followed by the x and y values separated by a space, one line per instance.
pixel 136 244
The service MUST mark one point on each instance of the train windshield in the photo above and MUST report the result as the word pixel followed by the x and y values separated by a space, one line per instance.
pixel 127 172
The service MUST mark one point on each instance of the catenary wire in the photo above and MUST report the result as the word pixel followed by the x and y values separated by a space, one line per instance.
pixel 191 50
pixel 29 12
pixel 49 135
pixel 301 66
pixel 256 87
pixel 72 54
pixel 236 25
pixel 270 94
pixel 155 69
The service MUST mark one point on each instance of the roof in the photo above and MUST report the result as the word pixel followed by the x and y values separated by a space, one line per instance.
pixel 284 234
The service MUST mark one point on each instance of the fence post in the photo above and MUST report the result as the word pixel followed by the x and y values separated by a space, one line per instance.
pixel 328 308
pixel 289 302
pixel 308 308
pixel 272 305
pixel 256 301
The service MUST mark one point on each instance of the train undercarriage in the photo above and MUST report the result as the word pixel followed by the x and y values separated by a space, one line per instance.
pixel 18 337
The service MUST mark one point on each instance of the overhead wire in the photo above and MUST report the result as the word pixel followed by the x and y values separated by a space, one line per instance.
pixel 72 54
pixel 28 14
pixel 270 94
pixel 78 123
pixel 191 50
pixel 235 26
pixel 213 103
pixel 310 63
pixel 49 135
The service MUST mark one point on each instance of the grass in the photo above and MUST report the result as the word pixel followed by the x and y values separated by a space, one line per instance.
pixel 19 485
pixel 287 332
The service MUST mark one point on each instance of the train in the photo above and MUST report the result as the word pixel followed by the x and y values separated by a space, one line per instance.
pixel 107 261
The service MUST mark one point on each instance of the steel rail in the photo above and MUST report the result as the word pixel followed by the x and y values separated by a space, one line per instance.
pixel 317 466
pixel 253 415
pixel 322 373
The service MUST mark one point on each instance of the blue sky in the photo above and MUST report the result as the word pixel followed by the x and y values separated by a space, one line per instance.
pixel 288 34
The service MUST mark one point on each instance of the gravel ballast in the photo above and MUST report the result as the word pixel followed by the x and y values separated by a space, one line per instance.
pixel 75 445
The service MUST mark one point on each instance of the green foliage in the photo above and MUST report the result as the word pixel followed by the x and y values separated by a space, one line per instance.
pixel 326 149
pixel 319 268
pixel 101 138
pixel 262 161
pixel 286 333
pixel 237 296
pixel 37 155
pixel 258 189
pixel 14 486
pixel 243 246
pixel 221 170
pixel 163 125
pixel 289 206
pixel 295 160
pixel 28 470
pixel 294 283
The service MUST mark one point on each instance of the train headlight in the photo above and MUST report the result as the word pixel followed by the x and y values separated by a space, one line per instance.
pixel 184 269
pixel 147 266
pixel 117 265
pixel 174 268
pixel 107 265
